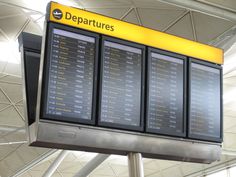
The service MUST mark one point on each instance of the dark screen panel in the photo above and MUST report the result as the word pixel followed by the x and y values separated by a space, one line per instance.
pixel 71 71
pixel 166 87
pixel 205 102
pixel 31 62
pixel 121 85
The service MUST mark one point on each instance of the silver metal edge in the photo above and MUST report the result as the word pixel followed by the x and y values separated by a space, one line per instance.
pixel 93 140
pixel 126 132
pixel 40 77
pixel 24 93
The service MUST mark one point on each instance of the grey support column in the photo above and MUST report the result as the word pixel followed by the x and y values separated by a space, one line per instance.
pixel 135 165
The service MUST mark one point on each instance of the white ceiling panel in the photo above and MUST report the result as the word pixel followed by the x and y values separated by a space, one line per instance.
pixel 5 169
pixel 42 166
pixel 12 25
pixel 155 175
pixel 232 129
pixel 13 91
pixel 183 28
pixel 3 38
pixel 13 161
pixel 157 18
pixel 155 4
pixel 132 18
pixel 25 175
pixel 188 168
pixel 72 167
pixel 5 150
pixel 10 117
pixel 36 173
pixel 34 28
pixel 165 164
pixel 17 135
pixel 103 170
pixel 117 160
pixel 231 4
pixel 148 172
pixel 7 11
pixel 230 80
pixel 229 123
pixel 3 98
pixel 20 110
pixel 229 141
pixel 120 170
pixel 105 3
pixel 2 65
pixel 151 165
pixel 173 170
pixel 97 175
pixel 11 79
pixel 208 27
pixel 26 154
pixel 111 12
pixel 230 113
pixel 4 105
pixel 13 69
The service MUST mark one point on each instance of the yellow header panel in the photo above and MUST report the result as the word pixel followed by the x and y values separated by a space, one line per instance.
pixel 101 24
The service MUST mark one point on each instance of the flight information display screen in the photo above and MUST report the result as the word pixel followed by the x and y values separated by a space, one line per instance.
pixel 165 107
pixel 71 67
pixel 121 85
pixel 205 102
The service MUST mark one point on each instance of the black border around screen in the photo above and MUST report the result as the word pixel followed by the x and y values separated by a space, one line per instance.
pixel 177 56
pixel 115 125
pixel 43 115
pixel 202 137
pixel 27 70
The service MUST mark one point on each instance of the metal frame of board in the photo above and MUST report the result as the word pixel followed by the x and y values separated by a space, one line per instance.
pixel 45 81
pixel 177 56
pixel 115 125
pixel 199 137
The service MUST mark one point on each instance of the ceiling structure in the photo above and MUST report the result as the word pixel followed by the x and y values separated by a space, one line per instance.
pixel 27 15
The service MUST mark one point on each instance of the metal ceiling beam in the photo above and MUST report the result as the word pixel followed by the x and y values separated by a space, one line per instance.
pixel 34 163
pixel 13 142
pixel 138 16
pixel 126 13
pixel 193 26
pixel 176 20
pixel 53 167
pixel 91 165
pixel 203 8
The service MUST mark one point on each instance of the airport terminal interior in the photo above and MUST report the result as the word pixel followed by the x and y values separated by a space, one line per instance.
pixel 211 22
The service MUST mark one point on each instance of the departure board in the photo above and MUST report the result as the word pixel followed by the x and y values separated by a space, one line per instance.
pixel 165 108
pixel 121 85
pixel 205 102
pixel 70 76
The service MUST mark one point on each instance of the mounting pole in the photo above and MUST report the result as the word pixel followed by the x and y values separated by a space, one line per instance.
pixel 135 165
